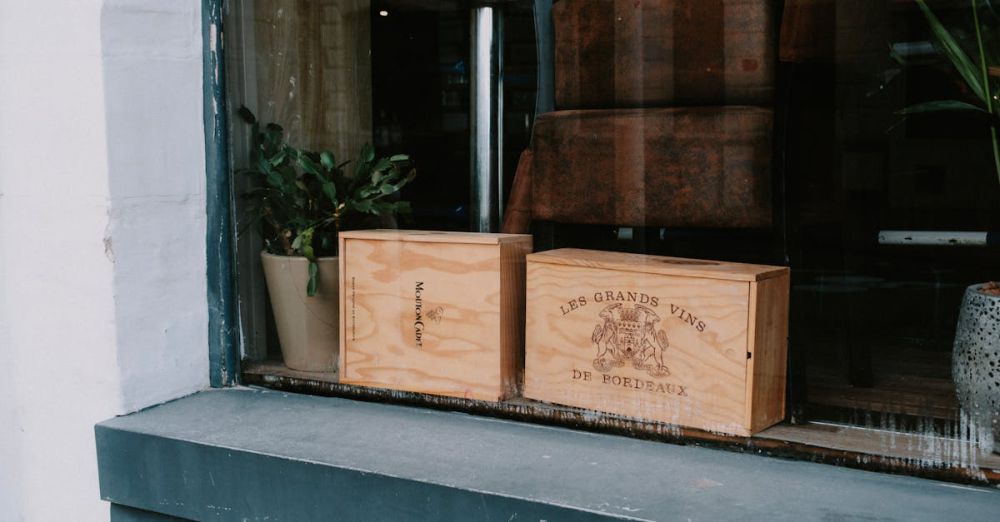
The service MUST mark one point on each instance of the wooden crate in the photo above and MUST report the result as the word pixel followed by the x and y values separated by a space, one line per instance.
pixel 687 342
pixel 433 312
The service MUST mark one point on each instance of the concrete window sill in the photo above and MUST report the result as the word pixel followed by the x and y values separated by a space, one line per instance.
pixel 242 454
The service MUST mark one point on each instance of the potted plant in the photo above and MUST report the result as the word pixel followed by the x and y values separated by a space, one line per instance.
pixel 302 199
pixel 976 355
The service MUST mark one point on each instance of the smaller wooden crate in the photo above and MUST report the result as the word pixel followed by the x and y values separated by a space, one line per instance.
pixel 687 342
pixel 433 312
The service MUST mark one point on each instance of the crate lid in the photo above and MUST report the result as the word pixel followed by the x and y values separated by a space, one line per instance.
pixel 434 236
pixel 675 266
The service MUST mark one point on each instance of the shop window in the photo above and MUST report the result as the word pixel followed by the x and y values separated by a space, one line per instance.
pixel 774 133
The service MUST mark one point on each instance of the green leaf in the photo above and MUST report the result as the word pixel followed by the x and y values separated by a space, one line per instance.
pixel 274 179
pixel 388 189
pixel 326 158
pixel 367 152
pixel 263 165
pixel 313 278
pixel 308 165
pixel 303 243
pixel 381 165
pixel 399 157
pixel 307 243
pixel 983 67
pixel 940 106
pixel 363 205
pixel 273 135
pixel 953 51
pixel 246 115
pixel 279 157
pixel 331 191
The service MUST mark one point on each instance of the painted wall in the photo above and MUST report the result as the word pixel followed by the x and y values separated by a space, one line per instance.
pixel 102 231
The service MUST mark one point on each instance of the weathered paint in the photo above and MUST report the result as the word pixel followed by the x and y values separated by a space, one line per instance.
pixel 315 458
pixel 222 322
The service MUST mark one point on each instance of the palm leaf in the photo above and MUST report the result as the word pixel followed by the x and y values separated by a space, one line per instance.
pixel 941 106
pixel 948 45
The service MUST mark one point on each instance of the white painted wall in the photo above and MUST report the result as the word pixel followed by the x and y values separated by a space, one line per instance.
pixel 102 231
pixel 156 158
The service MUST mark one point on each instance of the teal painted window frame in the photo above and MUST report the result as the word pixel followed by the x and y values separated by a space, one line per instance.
pixel 223 323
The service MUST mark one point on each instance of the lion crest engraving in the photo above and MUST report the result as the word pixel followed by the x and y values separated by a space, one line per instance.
pixel 629 334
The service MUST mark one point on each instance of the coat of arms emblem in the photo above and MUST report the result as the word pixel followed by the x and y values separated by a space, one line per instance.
pixel 629 334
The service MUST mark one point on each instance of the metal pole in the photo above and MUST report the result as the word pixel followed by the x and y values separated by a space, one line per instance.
pixel 486 125
pixel 937 238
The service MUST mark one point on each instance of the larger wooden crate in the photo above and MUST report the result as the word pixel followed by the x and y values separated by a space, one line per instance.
pixel 687 342
pixel 433 312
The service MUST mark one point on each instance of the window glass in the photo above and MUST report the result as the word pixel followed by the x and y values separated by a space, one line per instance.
pixel 839 139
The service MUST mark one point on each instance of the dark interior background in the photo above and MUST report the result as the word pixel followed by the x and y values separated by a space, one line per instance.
pixel 872 325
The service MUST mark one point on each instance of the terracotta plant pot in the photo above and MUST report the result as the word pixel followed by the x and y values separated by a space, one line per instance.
pixel 308 327
pixel 976 365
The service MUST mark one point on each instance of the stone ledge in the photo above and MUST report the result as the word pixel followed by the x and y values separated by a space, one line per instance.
pixel 241 454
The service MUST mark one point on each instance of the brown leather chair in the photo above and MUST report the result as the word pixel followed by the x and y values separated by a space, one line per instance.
pixel 664 114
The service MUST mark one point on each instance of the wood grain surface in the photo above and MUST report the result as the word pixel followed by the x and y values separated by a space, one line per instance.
pixel 512 314
pixel 698 324
pixel 435 236
pixel 659 264
pixel 432 316
pixel 767 368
